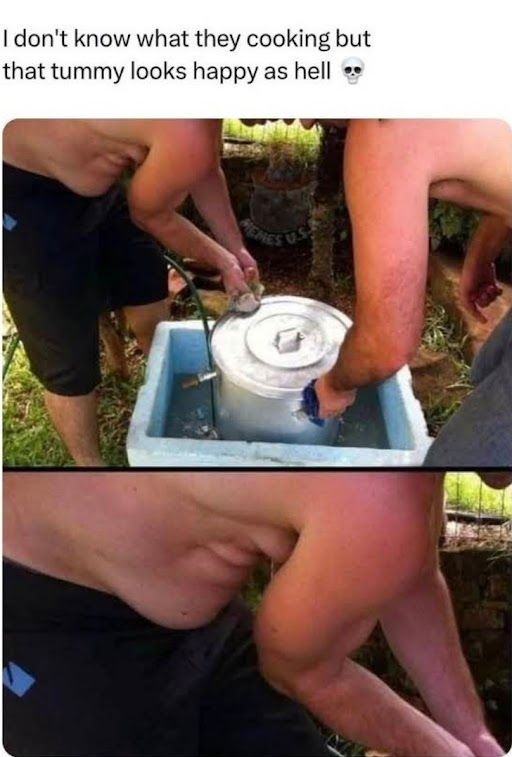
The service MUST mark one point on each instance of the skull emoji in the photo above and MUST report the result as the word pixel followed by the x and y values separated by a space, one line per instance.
pixel 352 68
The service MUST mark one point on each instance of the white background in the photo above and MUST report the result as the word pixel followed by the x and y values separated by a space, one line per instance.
pixel 450 58
pixel 441 58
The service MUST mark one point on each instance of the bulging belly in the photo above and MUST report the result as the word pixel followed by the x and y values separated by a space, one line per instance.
pixel 90 182
pixel 189 593
pixel 93 175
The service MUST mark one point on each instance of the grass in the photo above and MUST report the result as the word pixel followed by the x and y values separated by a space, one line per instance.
pixel 29 438
pixel 305 142
pixel 466 491
pixel 440 335
pixel 439 332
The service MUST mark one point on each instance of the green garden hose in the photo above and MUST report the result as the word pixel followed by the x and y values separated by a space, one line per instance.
pixel 195 294
pixel 11 349
pixel 186 276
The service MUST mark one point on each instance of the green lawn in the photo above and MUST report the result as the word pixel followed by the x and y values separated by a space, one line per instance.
pixel 465 491
pixel 29 438
pixel 276 131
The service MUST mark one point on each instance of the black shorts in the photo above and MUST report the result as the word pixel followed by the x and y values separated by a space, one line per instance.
pixel 67 258
pixel 85 675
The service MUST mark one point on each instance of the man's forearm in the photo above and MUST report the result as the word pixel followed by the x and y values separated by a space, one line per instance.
pixel 211 198
pixel 362 708
pixel 180 235
pixel 432 655
pixel 364 360
pixel 487 241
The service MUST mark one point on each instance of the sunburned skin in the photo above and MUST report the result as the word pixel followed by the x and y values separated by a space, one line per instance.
pixel 467 162
pixel 175 547
pixel 165 547
pixel 391 170
pixel 88 156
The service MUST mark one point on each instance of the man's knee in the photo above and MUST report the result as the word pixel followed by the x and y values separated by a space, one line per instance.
pixel 62 346
pixel 143 319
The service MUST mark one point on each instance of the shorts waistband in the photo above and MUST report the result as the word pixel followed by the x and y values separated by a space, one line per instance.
pixel 18 181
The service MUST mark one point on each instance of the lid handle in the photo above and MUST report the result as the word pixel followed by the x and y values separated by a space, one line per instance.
pixel 288 340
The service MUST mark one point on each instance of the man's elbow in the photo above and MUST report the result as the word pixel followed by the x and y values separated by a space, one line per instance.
pixel 140 217
pixel 390 357
pixel 315 686
pixel 151 221
pixel 294 679
pixel 276 672
pixel 384 349
pixel 395 361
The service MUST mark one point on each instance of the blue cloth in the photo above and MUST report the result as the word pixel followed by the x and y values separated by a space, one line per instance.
pixel 310 403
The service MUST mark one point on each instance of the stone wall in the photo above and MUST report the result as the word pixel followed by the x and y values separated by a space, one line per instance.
pixel 481 585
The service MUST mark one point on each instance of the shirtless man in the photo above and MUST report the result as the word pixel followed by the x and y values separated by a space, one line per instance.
pixel 139 554
pixel 392 167
pixel 72 247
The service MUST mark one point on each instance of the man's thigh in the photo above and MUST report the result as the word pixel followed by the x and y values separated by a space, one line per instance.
pixel 61 339
pixel 60 694
pixel 51 280
pixel 243 715
pixel 104 680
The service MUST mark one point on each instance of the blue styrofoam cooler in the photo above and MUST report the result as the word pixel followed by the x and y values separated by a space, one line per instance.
pixel 158 428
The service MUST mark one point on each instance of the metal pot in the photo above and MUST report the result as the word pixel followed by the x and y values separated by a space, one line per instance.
pixel 262 363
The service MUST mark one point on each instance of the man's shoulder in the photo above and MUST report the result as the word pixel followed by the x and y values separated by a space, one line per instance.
pixel 174 131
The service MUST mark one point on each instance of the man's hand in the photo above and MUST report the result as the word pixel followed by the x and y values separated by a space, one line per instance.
pixel 332 402
pixel 234 279
pixel 240 275
pixel 479 287
pixel 248 265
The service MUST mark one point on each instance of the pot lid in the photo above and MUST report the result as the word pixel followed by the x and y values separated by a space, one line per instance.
pixel 281 347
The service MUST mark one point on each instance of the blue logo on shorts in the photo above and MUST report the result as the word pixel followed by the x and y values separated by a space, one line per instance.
pixel 17 680
pixel 9 222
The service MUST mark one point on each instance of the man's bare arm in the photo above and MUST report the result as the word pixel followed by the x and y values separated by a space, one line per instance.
pixel 211 198
pixel 478 286
pixel 324 601
pixel 432 655
pixel 176 162
pixel 386 180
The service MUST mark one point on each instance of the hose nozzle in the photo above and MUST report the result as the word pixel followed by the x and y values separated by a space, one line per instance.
pixel 197 378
